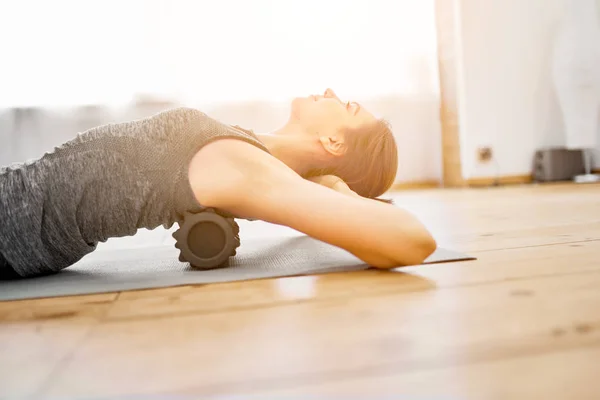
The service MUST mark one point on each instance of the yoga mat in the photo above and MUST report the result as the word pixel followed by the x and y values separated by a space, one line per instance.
pixel 156 267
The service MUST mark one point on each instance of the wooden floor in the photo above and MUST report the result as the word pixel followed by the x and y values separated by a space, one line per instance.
pixel 521 322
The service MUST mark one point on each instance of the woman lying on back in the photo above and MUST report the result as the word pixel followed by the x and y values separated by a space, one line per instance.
pixel 320 174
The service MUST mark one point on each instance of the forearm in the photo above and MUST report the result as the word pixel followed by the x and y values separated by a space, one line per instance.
pixel 409 245
pixel 385 236
pixel 380 234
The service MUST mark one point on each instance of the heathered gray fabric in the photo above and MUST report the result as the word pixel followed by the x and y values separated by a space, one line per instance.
pixel 107 182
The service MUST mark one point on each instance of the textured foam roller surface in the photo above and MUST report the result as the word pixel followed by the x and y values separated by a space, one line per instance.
pixel 157 267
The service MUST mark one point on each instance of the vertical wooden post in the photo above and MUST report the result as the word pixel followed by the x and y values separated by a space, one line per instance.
pixel 448 61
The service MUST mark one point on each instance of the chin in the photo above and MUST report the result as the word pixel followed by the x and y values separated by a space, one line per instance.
pixel 298 107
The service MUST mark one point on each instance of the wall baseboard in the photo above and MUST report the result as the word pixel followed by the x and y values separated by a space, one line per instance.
pixel 472 182
pixel 501 180
pixel 430 184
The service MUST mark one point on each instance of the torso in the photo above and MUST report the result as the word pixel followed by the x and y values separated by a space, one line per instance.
pixel 115 179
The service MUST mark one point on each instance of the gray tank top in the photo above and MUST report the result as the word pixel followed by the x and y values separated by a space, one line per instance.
pixel 107 182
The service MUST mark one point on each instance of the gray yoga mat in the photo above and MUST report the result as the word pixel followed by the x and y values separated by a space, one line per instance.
pixel 156 267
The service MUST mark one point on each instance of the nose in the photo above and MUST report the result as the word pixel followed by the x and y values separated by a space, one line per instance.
pixel 329 93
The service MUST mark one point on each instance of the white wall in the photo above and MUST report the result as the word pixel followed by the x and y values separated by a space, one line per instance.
pixel 508 99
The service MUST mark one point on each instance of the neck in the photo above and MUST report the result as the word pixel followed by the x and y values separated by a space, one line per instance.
pixel 292 147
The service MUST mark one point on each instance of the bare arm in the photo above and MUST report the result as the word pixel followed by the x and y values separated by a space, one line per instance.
pixel 381 235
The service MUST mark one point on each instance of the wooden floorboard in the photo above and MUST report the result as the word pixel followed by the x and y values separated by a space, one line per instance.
pixel 301 343
pixel 522 321
pixel 560 374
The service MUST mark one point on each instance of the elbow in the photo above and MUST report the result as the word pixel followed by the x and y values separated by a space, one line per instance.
pixel 414 254
pixel 426 248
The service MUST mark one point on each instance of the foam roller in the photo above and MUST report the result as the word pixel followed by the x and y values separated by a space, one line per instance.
pixel 207 240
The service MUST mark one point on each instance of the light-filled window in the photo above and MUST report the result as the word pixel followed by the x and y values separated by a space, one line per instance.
pixel 73 52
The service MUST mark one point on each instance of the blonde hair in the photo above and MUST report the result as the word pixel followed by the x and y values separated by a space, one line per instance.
pixel 370 164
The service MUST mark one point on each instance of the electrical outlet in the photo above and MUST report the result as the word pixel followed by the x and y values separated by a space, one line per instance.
pixel 484 154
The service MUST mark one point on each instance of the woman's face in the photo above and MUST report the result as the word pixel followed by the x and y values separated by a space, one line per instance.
pixel 327 114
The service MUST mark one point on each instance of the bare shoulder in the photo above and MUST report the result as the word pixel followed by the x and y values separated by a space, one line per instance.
pixel 226 169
